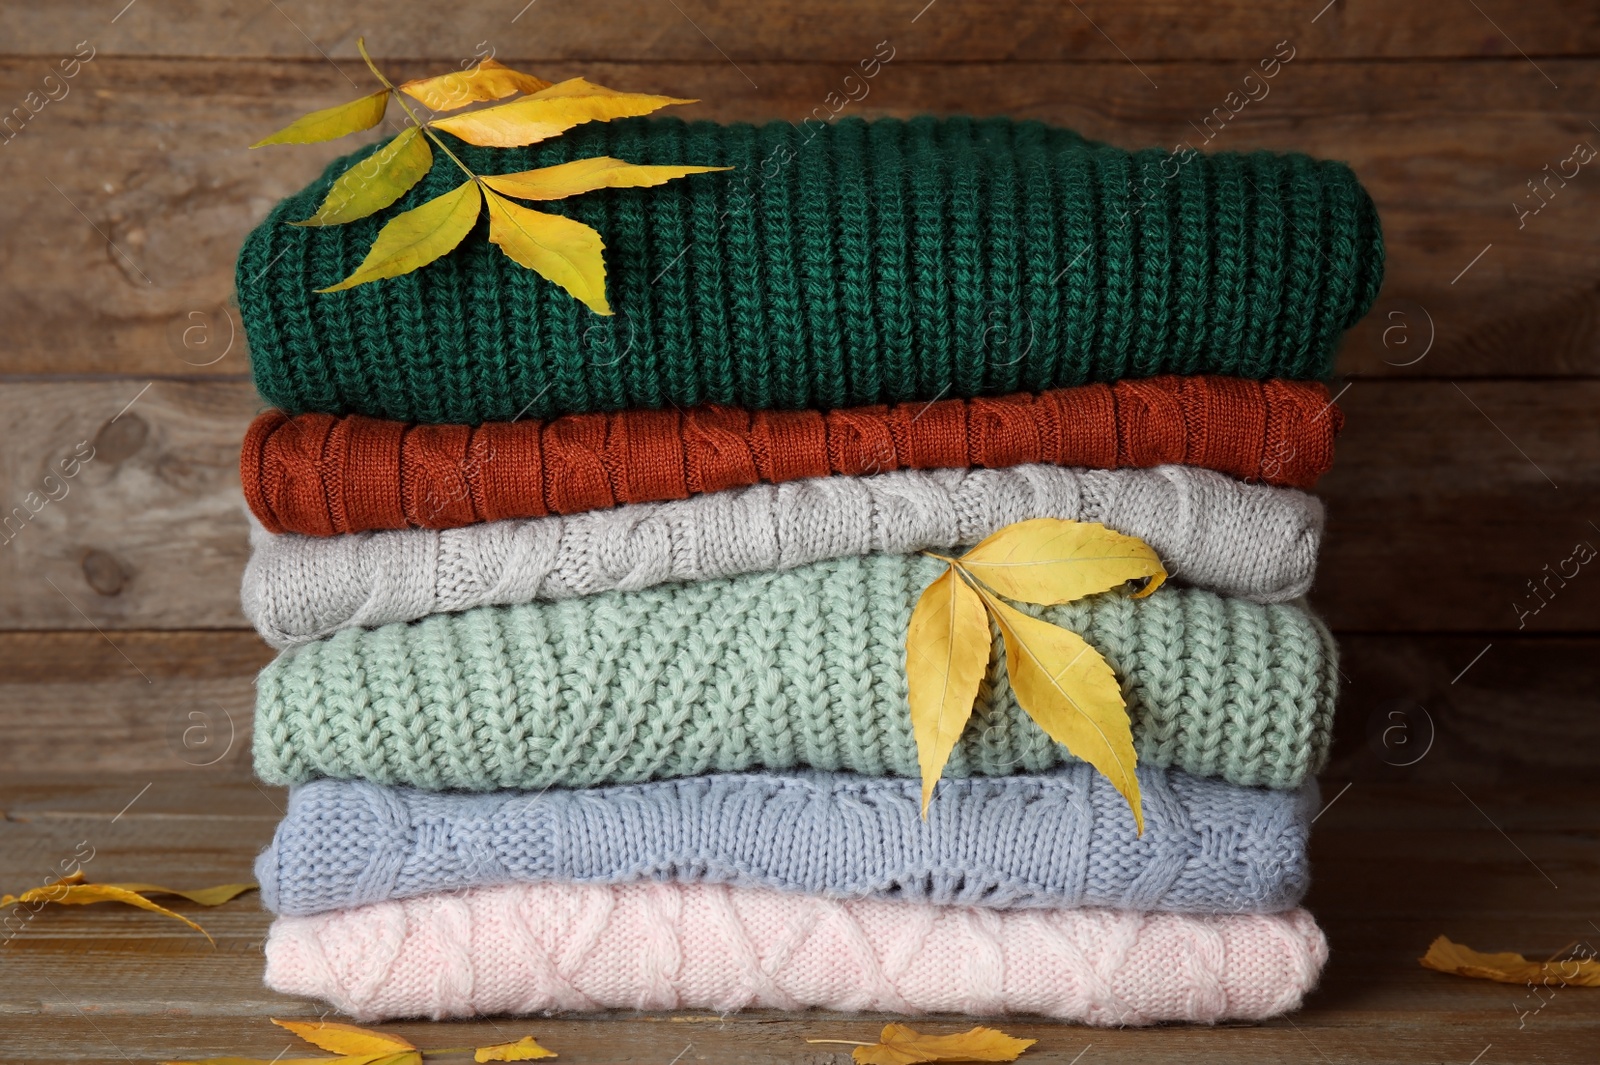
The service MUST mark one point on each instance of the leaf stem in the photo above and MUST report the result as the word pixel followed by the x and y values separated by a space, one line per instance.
pixel 846 1042
pixel 399 98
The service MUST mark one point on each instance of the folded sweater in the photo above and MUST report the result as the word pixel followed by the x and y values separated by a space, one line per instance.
pixel 538 948
pixel 321 475
pixel 771 670
pixel 1211 531
pixel 837 265
pixel 1061 839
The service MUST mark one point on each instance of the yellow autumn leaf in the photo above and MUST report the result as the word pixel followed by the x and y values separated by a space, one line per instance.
pixel 1071 693
pixel 489 80
pixel 376 181
pixel 558 249
pixel 947 650
pixel 524 1049
pixel 1051 560
pixel 418 237
pixel 211 896
pixel 1509 968
pixel 548 113
pixel 333 122
pixel 345 1038
pixel 899 1044
pixel 75 891
pixel 352 1059
pixel 586 175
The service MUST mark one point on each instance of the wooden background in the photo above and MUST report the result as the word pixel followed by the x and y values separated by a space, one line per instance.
pixel 1468 732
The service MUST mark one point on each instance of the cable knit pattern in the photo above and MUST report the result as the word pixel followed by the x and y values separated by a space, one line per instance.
pixel 320 475
pixel 771 670
pixel 539 948
pixel 1211 531
pixel 1064 839
pixel 841 265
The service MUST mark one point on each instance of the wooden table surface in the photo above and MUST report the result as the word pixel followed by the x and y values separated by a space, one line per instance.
pixel 1469 470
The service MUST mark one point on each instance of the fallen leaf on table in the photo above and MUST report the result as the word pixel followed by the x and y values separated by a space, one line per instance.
pixel 211 896
pixel 899 1045
pixel 1509 968
pixel 1052 560
pixel 947 651
pixel 74 890
pixel 489 80
pixel 345 1038
pixel 333 122
pixel 363 1046
pixel 418 236
pixel 524 1049
pixel 362 1059
pixel 548 113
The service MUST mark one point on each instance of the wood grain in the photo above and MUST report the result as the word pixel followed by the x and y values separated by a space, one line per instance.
pixel 151 532
pixel 177 704
pixel 121 250
pixel 831 30
pixel 1398 863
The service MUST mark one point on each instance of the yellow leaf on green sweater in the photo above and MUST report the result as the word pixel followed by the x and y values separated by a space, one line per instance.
pixel 1508 968
pixel 489 80
pixel 524 1049
pixel 947 650
pixel 585 175
pixel 559 249
pixel 1071 693
pixel 333 122
pixel 345 1038
pixel 1052 560
pixel 376 181
pixel 899 1044
pixel 418 237
pixel 548 113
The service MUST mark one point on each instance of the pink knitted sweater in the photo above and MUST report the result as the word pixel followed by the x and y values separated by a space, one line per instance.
pixel 533 948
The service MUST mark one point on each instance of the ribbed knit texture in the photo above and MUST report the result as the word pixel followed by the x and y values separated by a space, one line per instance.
pixel 320 475
pixel 535 948
pixel 853 264
pixel 771 670
pixel 1210 530
pixel 1063 839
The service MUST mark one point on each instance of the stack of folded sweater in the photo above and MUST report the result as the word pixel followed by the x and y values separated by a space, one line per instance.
pixel 593 684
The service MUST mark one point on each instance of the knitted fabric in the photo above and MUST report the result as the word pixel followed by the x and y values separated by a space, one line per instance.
pixel 534 948
pixel 1211 530
pixel 841 265
pixel 320 475
pixel 1026 842
pixel 771 670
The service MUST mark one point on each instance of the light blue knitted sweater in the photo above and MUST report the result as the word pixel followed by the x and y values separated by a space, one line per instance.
pixel 1061 839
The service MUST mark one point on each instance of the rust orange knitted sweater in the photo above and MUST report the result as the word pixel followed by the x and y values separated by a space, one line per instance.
pixel 323 475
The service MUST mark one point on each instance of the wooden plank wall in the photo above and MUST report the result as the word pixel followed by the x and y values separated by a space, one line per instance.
pixel 1469 468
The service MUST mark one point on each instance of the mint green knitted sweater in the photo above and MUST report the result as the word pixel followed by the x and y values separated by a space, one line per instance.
pixel 770 670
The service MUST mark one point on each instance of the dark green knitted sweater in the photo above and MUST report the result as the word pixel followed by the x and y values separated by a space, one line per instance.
pixel 858 263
